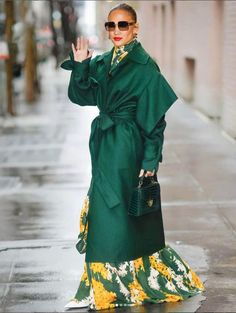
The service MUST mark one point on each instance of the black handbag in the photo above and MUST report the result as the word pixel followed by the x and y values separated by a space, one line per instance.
pixel 146 197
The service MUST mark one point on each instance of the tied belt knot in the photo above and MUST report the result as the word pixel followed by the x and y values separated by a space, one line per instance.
pixel 101 123
pixel 108 119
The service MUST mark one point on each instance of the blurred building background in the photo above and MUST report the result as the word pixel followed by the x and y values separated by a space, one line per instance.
pixel 193 42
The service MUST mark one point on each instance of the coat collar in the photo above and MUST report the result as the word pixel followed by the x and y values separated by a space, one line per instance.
pixel 137 54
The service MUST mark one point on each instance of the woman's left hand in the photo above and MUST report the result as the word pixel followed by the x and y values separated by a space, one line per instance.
pixel 148 173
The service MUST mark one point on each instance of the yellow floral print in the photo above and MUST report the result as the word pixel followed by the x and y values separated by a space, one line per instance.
pixel 172 298
pixel 196 282
pixel 109 285
pixel 97 267
pixel 138 264
pixel 83 214
pixel 137 292
pixel 85 275
pixel 160 267
pixel 103 298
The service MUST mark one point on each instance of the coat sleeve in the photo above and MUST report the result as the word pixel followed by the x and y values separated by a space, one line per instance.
pixel 82 86
pixel 156 98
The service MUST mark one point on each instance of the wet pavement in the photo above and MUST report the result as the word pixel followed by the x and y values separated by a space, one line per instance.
pixel 44 176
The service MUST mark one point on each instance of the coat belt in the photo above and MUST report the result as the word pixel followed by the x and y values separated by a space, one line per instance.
pixel 107 120
pixel 101 123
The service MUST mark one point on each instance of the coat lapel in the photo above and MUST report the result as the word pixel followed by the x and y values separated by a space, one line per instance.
pixel 137 55
pixel 105 58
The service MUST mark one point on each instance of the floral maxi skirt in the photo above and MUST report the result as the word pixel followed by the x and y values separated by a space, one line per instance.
pixel 161 277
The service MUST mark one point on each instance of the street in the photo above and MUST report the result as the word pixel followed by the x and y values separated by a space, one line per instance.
pixel 44 177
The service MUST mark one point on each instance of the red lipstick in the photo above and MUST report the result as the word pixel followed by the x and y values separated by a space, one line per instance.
pixel 117 38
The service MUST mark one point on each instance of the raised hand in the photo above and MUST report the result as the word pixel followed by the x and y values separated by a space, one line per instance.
pixel 81 51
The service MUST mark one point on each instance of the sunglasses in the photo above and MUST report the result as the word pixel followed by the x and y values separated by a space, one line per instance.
pixel 122 25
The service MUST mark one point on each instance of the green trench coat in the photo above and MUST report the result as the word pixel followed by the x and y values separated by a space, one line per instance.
pixel 126 136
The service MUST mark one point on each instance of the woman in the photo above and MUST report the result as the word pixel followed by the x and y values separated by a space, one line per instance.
pixel 127 261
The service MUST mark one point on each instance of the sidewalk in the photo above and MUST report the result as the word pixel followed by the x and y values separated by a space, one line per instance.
pixel 44 177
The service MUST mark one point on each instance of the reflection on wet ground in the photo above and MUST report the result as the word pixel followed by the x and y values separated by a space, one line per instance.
pixel 41 278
